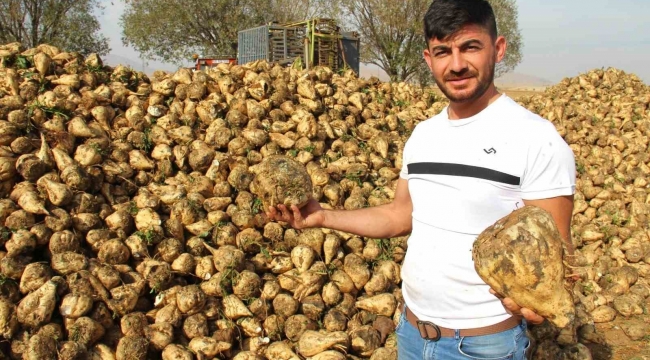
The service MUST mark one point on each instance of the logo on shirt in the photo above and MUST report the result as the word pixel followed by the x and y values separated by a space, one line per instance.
pixel 490 151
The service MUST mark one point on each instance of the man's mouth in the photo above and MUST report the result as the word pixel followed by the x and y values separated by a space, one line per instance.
pixel 459 81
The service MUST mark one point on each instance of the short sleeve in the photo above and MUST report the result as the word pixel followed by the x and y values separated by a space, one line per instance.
pixel 407 155
pixel 550 167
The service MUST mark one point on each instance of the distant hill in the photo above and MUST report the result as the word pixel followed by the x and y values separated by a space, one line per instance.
pixel 518 80
pixel 114 60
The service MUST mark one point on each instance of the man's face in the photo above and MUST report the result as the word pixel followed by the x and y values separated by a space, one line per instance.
pixel 463 64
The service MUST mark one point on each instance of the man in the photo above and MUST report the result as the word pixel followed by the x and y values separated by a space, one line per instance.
pixel 482 157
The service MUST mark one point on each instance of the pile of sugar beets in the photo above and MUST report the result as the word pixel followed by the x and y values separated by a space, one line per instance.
pixel 604 116
pixel 132 208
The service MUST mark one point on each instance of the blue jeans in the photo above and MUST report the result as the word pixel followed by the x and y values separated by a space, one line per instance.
pixel 507 345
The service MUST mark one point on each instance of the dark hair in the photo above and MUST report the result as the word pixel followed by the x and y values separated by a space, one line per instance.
pixel 446 17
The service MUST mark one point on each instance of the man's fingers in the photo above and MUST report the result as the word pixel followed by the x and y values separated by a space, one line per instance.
pixel 513 309
pixel 531 316
pixel 511 305
pixel 495 294
pixel 297 216
pixel 284 213
pixel 271 212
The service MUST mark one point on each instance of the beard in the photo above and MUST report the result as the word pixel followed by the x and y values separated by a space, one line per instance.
pixel 480 89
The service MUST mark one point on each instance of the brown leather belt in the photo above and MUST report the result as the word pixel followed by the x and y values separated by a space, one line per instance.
pixel 430 331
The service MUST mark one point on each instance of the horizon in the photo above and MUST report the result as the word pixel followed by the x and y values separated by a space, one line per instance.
pixel 606 36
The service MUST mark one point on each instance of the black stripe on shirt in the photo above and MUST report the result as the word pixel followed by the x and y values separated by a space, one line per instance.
pixel 462 170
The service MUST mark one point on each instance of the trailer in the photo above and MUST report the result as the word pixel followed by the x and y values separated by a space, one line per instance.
pixel 205 62
pixel 314 42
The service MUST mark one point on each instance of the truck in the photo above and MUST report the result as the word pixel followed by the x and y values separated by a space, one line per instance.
pixel 311 43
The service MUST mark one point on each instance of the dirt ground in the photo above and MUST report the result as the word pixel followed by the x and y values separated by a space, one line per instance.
pixel 618 345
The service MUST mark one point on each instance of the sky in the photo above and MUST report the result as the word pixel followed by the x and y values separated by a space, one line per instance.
pixel 562 38
pixel 568 37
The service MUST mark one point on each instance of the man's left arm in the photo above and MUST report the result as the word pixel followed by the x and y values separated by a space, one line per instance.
pixel 561 209
pixel 549 183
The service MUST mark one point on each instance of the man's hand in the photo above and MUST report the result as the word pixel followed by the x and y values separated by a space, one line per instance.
pixel 310 215
pixel 514 309
pixel 376 222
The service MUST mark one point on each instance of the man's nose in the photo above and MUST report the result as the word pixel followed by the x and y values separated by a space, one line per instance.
pixel 458 63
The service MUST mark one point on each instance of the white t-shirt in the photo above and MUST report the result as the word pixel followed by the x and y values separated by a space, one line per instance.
pixel 463 175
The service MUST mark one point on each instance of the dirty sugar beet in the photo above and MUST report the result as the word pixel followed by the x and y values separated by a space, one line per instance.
pixel 282 180
pixel 520 257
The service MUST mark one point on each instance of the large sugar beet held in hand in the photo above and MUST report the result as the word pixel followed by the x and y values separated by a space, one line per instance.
pixel 520 257
pixel 282 180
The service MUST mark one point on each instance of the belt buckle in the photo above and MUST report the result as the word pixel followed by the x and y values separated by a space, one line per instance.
pixel 422 325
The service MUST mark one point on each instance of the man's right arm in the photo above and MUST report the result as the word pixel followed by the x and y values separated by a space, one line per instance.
pixel 377 222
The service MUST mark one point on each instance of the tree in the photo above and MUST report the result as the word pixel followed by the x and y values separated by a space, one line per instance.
pixel 173 30
pixel 392 34
pixel 67 24
pixel 286 11
pixel 508 26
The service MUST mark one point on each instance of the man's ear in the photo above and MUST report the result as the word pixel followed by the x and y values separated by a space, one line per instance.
pixel 427 57
pixel 501 45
